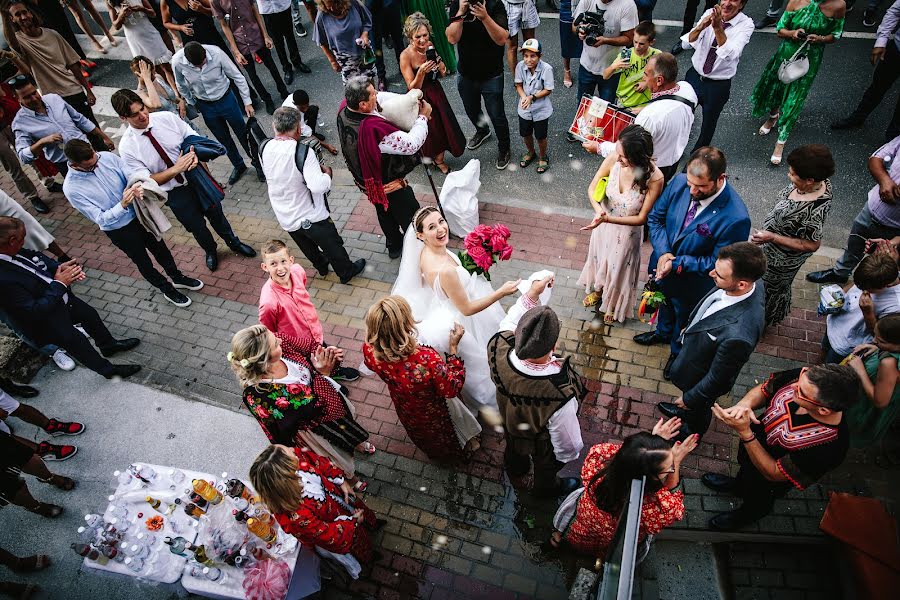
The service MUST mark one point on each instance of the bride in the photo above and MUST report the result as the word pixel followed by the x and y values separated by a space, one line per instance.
pixel 441 292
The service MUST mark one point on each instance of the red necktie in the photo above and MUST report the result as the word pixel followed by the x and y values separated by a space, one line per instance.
pixel 711 55
pixel 162 154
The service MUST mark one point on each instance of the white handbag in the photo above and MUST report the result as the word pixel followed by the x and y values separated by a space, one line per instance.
pixel 795 67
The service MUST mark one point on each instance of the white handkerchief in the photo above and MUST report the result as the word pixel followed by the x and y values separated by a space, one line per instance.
pixel 525 285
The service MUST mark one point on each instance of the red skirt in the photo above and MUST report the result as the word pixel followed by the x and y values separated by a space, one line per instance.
pixel 444 132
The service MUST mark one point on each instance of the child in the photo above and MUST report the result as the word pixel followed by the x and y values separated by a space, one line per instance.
pixel 877 366
pixel 630 62
pixel 534 82
pixel 285 305
pixel 310 117
pixel 876 293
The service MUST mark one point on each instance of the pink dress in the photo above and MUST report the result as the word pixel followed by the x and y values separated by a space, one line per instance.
pixel 614 256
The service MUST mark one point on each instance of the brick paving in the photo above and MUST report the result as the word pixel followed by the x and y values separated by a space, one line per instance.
pixel 462 532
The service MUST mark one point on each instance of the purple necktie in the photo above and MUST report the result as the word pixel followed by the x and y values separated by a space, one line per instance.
pixel 691 213
pixel 711 55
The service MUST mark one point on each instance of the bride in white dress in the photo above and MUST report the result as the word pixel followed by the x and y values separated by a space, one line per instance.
pixel 441 292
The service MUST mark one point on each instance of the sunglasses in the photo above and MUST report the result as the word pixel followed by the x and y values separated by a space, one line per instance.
pixel 17 79
pixel 799 394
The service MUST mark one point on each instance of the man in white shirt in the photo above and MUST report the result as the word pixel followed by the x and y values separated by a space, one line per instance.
pixel 298 198
pixel 722 333
pixel 153 143
pixel 669 115
pixel 718 40
pixel 537 394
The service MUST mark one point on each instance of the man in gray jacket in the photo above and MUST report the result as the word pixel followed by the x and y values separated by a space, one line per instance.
pixel 721 335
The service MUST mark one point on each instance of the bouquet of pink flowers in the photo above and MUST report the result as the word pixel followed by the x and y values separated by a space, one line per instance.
pixel 483 247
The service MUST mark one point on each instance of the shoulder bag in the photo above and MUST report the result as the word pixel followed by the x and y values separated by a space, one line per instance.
pixel 794 67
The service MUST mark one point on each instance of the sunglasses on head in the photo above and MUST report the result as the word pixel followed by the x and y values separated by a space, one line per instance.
pixel 17 79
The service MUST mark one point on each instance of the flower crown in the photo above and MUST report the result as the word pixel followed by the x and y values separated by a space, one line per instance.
pixel 243 362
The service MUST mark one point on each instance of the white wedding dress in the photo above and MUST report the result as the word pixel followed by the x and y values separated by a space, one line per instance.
pixel 435 315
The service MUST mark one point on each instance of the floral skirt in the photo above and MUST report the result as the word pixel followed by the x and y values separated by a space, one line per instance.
pixel 351 66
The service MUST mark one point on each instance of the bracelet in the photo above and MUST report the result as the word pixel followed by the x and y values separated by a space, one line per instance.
pixel 752 437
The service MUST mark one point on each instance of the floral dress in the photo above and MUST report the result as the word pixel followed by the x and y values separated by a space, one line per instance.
pixel 770 95
pixel 323 519
pixel 592 529
pixel 801 219
pixel 420 386
pixel 306 409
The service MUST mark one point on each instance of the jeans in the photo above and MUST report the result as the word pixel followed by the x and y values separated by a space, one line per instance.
pixel 218 116
pixel 266 56
pixel 279 27
pixel 323 245
pixel 471 92
pixel 386 20
pixel 864 227
pixel 588 82
pixel 402 205
pixel 187 210
pixel 712 95
pixel 137 243
pixel 886 73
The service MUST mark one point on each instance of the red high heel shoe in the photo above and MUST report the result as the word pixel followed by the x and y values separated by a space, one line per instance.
pixel 88 64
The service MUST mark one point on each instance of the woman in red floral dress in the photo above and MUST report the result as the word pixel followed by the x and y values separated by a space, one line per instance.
pixel 587 519
pixel 312 501
pixel 423 383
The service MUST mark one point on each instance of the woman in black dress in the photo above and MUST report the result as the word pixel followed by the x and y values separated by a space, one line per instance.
pixel 192 21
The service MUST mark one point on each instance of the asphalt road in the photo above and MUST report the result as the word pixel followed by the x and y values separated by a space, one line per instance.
pixel 844 75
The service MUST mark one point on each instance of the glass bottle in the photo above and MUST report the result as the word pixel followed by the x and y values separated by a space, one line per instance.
pixel 196 498
pixel 238 489
pixel 262 530
pixel 200 555
pixel 207 491
pixel 176 545
pixel 194 510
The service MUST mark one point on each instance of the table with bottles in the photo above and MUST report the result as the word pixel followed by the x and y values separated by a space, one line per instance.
pixel 165 524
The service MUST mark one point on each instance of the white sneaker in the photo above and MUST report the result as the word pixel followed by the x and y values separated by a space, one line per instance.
pixel 63 360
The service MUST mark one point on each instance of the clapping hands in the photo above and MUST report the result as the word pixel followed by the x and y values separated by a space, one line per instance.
pixel 69 272
pixel 325 359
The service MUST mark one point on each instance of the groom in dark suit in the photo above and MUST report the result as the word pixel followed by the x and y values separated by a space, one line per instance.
pixel 38 299
pixel 721 335
pixel 698 214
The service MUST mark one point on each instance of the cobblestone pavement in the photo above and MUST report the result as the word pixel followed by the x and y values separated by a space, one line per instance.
pixel 464 532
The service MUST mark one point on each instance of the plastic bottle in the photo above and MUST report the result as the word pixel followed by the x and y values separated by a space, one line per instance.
pixel 213 573
pixel 86 551
pixel 207 491
pixel 262 530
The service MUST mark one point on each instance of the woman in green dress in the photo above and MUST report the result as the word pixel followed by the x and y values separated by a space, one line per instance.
pixel 877 367
pixel 815 22
pixel 436 12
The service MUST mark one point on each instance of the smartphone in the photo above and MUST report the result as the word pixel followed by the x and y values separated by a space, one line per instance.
pixel 431 54
pixel 802 35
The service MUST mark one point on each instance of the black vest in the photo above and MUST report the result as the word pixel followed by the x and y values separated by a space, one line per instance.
pixel 393 166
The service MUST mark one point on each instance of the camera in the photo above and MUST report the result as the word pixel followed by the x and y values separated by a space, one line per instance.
pixel 592 25
pixel 802 35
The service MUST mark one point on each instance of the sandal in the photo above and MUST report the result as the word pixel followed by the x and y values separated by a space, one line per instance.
pixel 51 511
pixel 609 319
pixel 27 564
pixel 592 299
pixel 777 154
pixel 367 448
pixel 360 486
pixel 526 159
pixel 766 127
pixel 58 481
pixel 543 165
pixel 567 78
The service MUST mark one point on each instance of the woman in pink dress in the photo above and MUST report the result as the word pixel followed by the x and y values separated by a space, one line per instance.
pixel 633 183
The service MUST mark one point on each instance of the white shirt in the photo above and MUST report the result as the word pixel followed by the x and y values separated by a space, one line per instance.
pixel 563 426
pixel 401 142
pixel 847 329
pixel 707 201
pixel 295 197
pixel 729 54
pixel 37 272
pixel 721 301
pixel 305 130
pixel 669 123
pixel 138 153
pixel 268 7
pixel 619 16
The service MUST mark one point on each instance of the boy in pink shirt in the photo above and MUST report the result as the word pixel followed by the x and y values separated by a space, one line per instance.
pixel 285 306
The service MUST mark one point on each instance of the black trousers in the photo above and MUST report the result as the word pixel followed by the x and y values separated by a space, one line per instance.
pixel 190 213
pixel 690 13
pixel 402 205
pixel 386 21
pixel 883 79
pixel 757 492
pixel 311 117
pixel 138 244
pixel 280 28
pixel 269 62
pixel 72 341
pixel 323 245
pixel 519 454
pixel 712 95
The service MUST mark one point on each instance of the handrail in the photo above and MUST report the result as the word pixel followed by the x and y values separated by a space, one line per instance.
pixel 618 568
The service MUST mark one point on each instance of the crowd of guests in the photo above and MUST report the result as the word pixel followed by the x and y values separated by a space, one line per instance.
pixel 452 360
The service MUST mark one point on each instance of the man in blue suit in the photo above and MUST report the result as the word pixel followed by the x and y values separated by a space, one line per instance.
pixel 698 214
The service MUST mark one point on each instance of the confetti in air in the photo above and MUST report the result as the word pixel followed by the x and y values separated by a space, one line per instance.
pixel 547 177
pixel 576 165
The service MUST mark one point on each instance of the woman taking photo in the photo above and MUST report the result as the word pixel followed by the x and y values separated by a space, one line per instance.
pixel 312 501
pixel 444 132
pixel 813 23
pixel 423 383
pixel 633 183
pixel 588 517
pixel 288 389
pixel 435 11
pixel 792 230
pixel 342 30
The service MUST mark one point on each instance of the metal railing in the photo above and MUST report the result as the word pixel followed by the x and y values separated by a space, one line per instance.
pixel 618 569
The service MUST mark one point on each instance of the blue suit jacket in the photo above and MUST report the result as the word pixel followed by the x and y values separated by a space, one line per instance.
pixel 36 307
pixel 207 189
pixel 725 221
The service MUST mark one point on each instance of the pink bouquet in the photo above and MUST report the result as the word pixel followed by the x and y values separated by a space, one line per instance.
pixel 483 247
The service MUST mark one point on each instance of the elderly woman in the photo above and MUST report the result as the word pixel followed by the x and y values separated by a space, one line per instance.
pixel 312 501
pixel 792 230
pixel 342 30
pixel 288 389
pixel 423 383
pixel 444 132
pixel 813 23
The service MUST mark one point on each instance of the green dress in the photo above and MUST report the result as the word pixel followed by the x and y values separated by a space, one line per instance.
pixel 770 94
pixel 436 13
pixel 867 423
